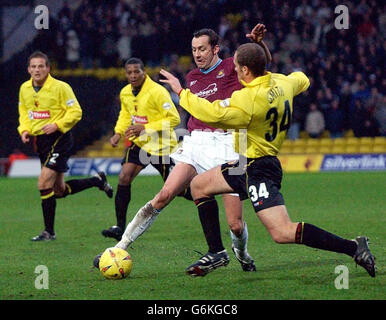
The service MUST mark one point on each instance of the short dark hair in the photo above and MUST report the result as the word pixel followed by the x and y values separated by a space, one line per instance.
pixel 135 61
pixel 252 56
pixel 214 38
pixel 39 54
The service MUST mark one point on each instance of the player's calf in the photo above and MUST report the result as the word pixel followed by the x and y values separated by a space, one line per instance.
pixel 142 221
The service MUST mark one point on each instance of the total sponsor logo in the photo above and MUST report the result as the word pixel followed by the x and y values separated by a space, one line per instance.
pixel 140 119
pixel 37 115
pixel 208 91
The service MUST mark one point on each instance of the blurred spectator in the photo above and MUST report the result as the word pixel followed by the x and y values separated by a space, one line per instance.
pixel 363 122
pixel 303 10
pixel 375 100
pixel 380 116
pixel 345 101
pixel 301 104
pixel 124 45
pixel 224 26
pixel 314 122
pixel 335 120
pixel 72 49
pixel 108 49
pixel 362 93
pixel 367 28
pixel 153 47
pixel 87 41
pixel 358 117
pixel 377 109
pixel 296 121
pixel 59 50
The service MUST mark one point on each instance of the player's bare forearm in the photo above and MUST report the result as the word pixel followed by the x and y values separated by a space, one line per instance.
pixel 266 50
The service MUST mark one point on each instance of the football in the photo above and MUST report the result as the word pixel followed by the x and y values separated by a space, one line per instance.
pixel 115 263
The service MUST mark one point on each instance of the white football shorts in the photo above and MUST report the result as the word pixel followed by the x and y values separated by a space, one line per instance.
pixel 205 150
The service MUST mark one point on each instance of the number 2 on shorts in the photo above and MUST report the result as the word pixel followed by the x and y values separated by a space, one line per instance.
pixel 53 157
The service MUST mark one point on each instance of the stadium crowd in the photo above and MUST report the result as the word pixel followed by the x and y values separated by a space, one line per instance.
pixel 345 66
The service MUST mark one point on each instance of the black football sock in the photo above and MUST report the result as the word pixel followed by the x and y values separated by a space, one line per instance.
pixel 122 200
pixel 78 185
pixel 209 218
pixel 48 207
pixel 315 237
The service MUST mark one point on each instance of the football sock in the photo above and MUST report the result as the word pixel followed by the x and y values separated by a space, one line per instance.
pixel 122 200
pixel 142 221
pixel 315 237
pixel 78 185
pixel 48 206
pixel 241 241
pixel 209 218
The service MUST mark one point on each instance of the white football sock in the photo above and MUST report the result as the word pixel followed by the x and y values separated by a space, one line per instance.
pixel 141 222
pixel 241 242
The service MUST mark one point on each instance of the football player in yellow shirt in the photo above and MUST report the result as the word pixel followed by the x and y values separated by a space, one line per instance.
pixel 263 107
pixel 48 110
pixel 147 118
pixel 216 148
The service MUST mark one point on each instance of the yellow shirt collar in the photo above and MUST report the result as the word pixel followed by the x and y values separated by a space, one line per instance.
pixel 46 84
pixel 258 80
pixel 144 84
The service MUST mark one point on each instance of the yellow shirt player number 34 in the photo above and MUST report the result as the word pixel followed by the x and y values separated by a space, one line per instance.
pixel 263 107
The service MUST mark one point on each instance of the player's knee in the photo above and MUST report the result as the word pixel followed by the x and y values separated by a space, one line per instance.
pixel 197 188
pixel 281 235
pixel 236 227
pixel 124 179
pixel 43 184
pixel 165 196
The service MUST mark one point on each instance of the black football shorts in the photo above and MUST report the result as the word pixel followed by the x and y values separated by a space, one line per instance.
pixel 54 150
pixel 135 154
pixel 260 181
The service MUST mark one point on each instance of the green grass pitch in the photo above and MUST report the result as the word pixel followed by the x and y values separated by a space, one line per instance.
pixel 348 204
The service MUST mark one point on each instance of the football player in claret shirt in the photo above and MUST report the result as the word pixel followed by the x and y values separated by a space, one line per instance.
pixel 205 148
pixel 147 118
pixel 264 108
pixel 48 110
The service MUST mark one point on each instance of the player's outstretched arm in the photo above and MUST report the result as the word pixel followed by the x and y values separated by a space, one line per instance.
pixel 222 114
pixel 257 35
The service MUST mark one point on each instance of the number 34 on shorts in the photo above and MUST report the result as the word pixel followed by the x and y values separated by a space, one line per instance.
pixel 264 194
pixel 258 192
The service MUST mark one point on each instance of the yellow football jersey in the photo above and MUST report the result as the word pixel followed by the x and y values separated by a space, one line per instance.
pixel 261 111
pixel 55 102
pixel 152 107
